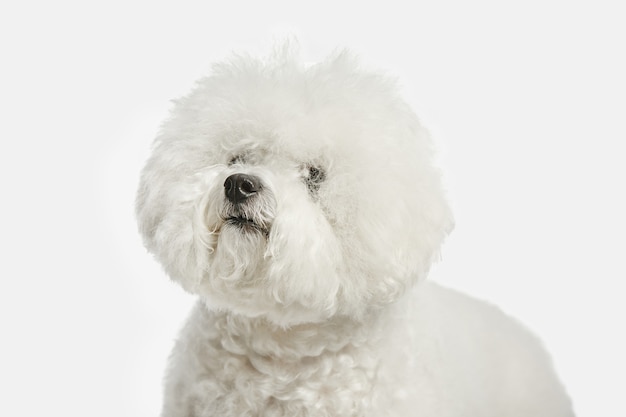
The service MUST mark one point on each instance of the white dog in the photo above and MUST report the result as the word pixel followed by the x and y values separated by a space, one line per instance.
pixel 302 206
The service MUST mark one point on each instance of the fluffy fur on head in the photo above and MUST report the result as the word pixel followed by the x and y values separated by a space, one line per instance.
pixel 301 204
pixel 327 234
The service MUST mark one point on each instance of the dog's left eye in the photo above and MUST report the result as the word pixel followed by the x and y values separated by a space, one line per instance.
pixel 314 176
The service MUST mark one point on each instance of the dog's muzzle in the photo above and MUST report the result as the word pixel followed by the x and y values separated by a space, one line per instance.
pixel 241 191
pixel 240 187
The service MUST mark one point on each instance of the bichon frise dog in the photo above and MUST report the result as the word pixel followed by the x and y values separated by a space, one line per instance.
pixel 302 206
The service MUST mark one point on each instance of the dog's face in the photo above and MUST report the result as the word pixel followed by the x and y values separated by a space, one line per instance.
pixel 294 194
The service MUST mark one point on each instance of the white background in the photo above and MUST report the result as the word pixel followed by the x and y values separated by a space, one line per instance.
pixel 527 100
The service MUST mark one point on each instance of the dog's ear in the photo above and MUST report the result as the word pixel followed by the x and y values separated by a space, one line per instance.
pixel 170 206
pixel 404 236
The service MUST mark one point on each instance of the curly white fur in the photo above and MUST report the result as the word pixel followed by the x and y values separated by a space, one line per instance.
pixel 305 308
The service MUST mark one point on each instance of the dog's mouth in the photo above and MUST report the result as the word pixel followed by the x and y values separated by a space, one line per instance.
pixel 245 224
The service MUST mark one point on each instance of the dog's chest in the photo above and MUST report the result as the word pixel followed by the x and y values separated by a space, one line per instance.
pixel 230 381
pixel 334 385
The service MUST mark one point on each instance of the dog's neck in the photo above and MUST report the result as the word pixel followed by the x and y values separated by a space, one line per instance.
pixel 258 337
pixel 266 369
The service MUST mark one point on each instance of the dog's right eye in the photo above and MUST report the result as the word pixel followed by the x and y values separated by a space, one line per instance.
pixel 237 159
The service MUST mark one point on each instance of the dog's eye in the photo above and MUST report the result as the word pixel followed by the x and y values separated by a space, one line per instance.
pixel 314 176
pixel 237 159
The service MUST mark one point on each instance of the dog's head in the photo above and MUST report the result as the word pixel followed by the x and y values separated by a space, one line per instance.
pixel 293 193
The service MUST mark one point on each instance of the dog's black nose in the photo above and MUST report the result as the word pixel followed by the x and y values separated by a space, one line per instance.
pixel 239 187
